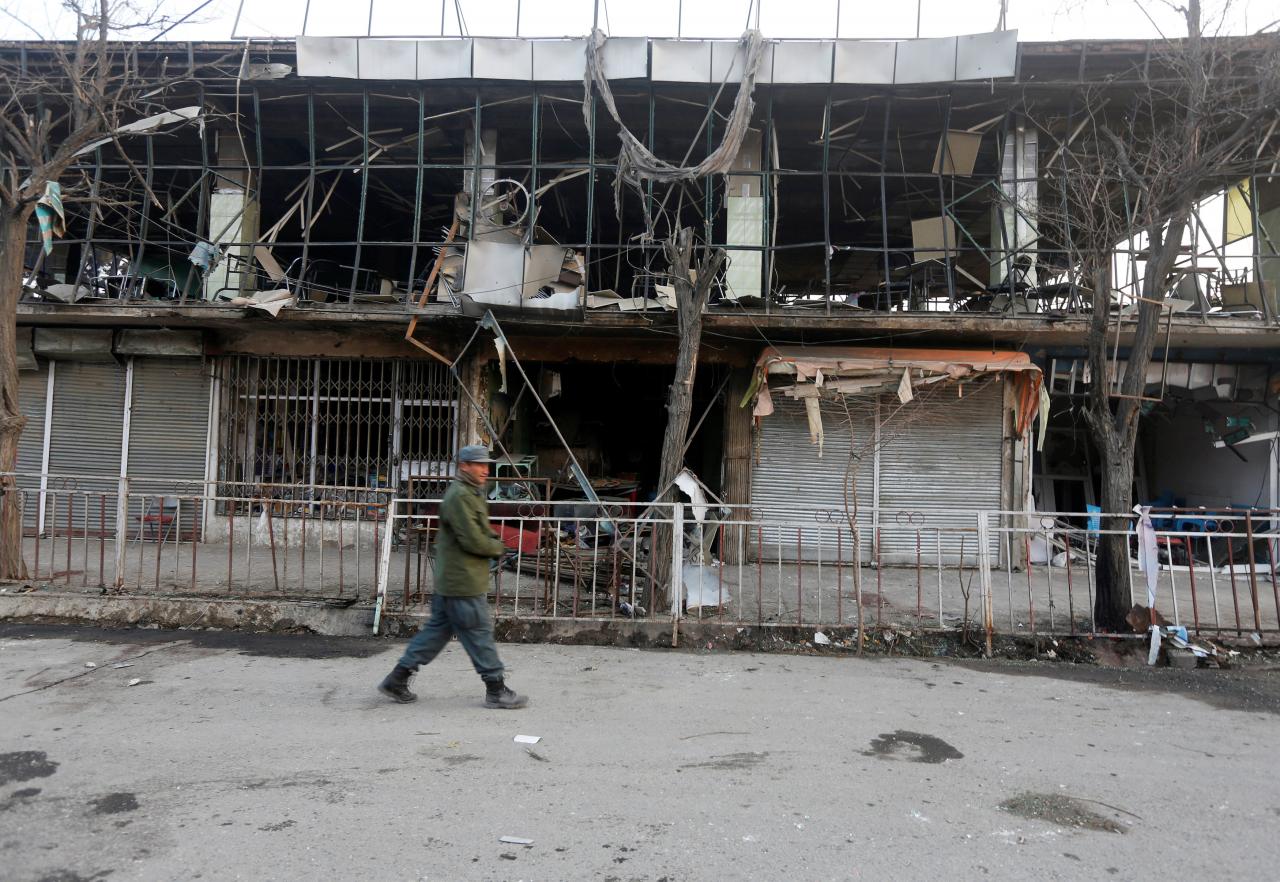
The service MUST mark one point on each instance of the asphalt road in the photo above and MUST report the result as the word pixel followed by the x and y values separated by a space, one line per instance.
pixel 239 756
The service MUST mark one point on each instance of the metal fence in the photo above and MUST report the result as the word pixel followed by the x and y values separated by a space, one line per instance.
pixel 184 540
pixel 979 572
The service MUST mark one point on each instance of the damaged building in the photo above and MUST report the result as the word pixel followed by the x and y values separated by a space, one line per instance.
pixel 897 335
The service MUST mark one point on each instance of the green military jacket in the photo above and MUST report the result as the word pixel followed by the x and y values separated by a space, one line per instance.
pixel 465 543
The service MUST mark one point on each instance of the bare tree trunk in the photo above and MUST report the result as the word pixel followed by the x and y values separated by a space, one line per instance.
pixel 1112 599
pixel 1113 416
pixel 13 233
pixel 691 300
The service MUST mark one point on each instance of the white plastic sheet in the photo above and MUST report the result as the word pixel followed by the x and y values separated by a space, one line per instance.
pixel 702 587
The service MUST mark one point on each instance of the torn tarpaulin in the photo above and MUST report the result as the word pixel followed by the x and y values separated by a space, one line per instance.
pixel 852 370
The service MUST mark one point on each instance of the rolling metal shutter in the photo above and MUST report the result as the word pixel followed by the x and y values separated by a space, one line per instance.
pixel 937 466
pixel 169 425
pixel 88 424
pixel 33 387
pixel 791 483
pixel 168 433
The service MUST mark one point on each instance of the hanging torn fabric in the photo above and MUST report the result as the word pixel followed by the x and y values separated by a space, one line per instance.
pixel 501 345
pixel 50 216
pixel 205 255
pixel 1044 418
pixel 812 411
pixel 764 402
pixel 1149 564
pixel 905 395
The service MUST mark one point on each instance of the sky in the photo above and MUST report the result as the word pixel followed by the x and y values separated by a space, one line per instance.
pixel 1034 19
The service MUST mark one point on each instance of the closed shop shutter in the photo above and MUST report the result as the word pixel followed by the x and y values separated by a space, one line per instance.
pixel 84 439
pixel 791 483
pixel 938 465
pixel 33 387
pixel 168 437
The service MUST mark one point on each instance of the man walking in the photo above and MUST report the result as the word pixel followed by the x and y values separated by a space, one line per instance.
pixel 464 546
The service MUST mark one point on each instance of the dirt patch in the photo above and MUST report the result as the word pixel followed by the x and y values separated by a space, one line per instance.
pixel 23 765
pixel 115 803
pixel 730 761
pixel 276 828
pixel 1244 688
pixel 460 759
pixel 1065 811
pixel 915 747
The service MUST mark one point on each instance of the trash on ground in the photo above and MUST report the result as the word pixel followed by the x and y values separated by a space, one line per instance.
pixel 122 665
pixel 134 682
pixel 515 840
pixel 90 665
pixel 528 739
pixel 821 639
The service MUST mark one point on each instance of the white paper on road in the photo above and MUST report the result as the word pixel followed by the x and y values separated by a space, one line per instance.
pixel 528 739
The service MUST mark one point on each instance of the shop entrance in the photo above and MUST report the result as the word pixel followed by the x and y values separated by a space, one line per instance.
pixel 613 416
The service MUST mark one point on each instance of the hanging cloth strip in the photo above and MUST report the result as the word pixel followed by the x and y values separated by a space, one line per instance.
pixel 49 215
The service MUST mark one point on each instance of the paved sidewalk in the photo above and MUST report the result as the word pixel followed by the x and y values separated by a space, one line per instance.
pixel 240 756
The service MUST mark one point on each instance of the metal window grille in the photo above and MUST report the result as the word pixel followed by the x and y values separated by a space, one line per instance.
pixel 305 429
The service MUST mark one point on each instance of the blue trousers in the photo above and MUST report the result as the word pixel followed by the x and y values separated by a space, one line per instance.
pixel 470 620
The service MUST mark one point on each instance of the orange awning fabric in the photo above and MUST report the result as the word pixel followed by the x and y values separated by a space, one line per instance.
pixel 874 370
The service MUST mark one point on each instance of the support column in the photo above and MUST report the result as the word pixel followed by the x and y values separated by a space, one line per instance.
pixel 1014 231
pixel 474 374
pixel 233 218
pixel 744 210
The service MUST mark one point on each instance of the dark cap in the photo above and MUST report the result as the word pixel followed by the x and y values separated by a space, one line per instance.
pixel 474 453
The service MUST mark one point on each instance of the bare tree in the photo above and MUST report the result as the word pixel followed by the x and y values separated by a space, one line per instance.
pixel 693 289
pixel 59 99
pixel 1134 172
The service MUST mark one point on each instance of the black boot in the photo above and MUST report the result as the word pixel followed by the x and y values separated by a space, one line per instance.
pixel 396 685
pixel 497 695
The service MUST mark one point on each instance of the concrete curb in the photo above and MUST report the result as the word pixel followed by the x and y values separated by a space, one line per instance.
pixel 320 617
pixel 314 617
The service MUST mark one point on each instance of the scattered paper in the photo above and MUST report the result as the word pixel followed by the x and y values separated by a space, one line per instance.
pixel 134 682
pixel 122 665
pixel 528 739
pixel 515 840
pixel 90 665
pixel 821 639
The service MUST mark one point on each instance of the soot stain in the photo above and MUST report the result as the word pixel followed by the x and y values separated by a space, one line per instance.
pixel 115 804
pixel 914 747
pixel 23 765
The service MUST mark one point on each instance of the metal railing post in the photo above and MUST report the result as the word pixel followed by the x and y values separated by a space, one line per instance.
pixel 122 528
pixel 384 562
pixel 677 568
pixel 984 576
